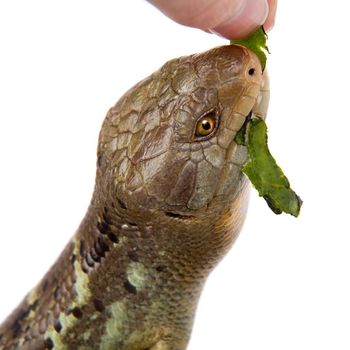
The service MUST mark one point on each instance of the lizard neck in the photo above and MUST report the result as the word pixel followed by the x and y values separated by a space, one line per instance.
pixel 124 280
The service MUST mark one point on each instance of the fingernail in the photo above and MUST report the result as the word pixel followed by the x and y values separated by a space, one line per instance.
pixel 270 21
pixel 212 31
pixel 250 15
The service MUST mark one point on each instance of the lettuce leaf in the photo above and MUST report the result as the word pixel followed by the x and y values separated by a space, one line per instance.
pixel 263 171
pixel 256 42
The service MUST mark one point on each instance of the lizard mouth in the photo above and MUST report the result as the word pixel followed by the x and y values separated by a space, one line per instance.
pixel 261 105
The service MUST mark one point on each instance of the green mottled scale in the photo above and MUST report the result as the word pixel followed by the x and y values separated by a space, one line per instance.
pixel 169 201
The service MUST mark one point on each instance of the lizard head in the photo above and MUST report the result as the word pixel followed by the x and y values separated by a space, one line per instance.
pixel 168 144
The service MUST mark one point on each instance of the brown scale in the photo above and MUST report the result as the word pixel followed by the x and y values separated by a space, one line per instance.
pixel 169 202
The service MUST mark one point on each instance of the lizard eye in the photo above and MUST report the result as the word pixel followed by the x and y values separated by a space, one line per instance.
pixel 206 125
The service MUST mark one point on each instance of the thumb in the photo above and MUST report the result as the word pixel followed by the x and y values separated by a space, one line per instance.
pixel 229 18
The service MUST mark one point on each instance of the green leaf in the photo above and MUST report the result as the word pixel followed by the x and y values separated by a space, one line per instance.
pixel 240 135
pixel 264 173
pixel 256 42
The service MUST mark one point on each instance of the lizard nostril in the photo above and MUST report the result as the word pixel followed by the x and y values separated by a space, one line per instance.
pixel 251 71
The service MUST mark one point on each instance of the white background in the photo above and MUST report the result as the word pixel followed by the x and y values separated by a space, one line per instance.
pixel 285 284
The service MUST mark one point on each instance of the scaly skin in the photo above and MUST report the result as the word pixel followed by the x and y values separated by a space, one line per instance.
pixel 166 208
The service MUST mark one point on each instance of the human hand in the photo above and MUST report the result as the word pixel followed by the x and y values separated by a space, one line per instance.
pixel 232 19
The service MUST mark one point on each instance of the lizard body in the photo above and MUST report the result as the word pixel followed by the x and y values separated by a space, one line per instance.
pixel 169 202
